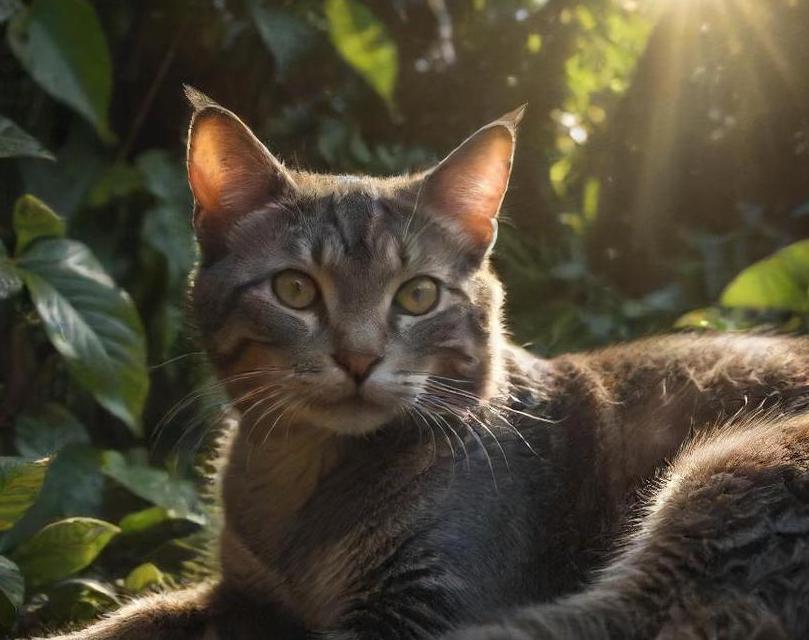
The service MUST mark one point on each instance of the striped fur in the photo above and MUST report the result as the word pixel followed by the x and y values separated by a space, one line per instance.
pixel 466 478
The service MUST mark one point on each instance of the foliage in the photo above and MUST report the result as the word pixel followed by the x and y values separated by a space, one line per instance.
pixel 364 43
pixel 104 397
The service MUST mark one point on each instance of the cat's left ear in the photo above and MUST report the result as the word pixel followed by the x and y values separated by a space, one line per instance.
pixel 465 191
pixel 231 173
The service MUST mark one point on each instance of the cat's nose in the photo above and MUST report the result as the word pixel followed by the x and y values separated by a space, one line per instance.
pixel 357 364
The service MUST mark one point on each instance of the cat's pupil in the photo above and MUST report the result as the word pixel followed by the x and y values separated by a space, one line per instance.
pixel 295 289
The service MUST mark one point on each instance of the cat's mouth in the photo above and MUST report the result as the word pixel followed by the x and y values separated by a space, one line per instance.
pixel 355 410
pixel 354 400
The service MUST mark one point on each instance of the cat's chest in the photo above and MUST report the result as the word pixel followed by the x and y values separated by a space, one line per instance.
pixel 310 535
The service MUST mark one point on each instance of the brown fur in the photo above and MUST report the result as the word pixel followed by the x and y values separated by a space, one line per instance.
pixel 504 479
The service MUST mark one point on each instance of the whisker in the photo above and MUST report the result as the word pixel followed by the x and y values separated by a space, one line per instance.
pixel 278 404
pixel 432 415
pixel 455 433
pixel 439 404
pixel 166 363
pixel 292 403
pixel 431 431
pixel 494 437
pixel 211 387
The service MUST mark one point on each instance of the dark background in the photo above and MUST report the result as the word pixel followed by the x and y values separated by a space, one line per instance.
pixel 664 150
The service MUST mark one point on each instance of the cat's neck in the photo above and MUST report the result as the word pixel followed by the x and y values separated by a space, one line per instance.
pixel 284 468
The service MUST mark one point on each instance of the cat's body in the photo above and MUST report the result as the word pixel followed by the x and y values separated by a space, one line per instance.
pixel 404 537
pixel 401 471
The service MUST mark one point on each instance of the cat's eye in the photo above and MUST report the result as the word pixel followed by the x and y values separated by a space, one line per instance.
pixel 295 289
pixel 418 296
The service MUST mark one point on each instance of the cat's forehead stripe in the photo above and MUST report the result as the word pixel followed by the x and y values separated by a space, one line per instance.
pixel 359 229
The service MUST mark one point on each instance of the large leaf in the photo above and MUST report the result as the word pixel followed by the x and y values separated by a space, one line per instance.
pixel 74 486
pixel 287 36
pixel 12 591
pixel 780 282
pixel 10 281
pixel 155 485
pixel 63 47
pixel 363 41
pixel 62 549
pixel 91 322
pixel 34 219
pixel 14 142
pixel 20 483
pixel 46 430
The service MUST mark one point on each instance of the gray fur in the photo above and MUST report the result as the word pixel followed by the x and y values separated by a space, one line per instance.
pixel 467 482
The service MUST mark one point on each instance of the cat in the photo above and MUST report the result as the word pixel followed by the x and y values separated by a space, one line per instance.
pixel 721 551
pixel 401 470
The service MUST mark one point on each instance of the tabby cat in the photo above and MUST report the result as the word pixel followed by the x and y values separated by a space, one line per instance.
pixel 402 471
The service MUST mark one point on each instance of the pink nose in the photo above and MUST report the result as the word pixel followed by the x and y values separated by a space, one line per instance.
pixel 355 363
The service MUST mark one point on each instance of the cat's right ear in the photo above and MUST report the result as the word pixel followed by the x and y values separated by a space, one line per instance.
pixel 465 191
pixel 231 173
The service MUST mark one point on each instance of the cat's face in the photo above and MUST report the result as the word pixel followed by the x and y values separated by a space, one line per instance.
pixel 344 302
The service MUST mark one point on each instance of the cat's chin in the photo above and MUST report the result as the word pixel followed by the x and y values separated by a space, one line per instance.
pixel 352 417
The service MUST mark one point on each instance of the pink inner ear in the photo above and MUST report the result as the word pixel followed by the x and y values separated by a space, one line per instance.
pixel 468 187
pixel 226 167
pixel 204 171
pixel 230 172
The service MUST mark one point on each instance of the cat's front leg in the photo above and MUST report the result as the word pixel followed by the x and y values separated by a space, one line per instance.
pixel 180 615
pixel 208 612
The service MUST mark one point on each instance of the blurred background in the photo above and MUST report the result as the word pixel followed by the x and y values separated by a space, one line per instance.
pixel 661 183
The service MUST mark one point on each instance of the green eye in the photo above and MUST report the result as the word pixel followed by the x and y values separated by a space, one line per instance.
pixel 295 289
pixel 418 296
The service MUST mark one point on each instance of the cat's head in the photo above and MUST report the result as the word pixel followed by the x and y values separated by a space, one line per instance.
pixel 344 301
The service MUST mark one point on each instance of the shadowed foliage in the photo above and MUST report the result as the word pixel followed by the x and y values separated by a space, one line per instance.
pixel 661 180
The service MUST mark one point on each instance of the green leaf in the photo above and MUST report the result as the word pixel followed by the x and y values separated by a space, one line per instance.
pixel 780 282
pixel 74 486
pixel 10 281
pixel 15 142
pixel 144 577
pixel 287 36
pixel 155 485
pixel 92 323
pixel 34 219
pixel 46 430
pixel 363 41
pixel 167 230
pixel 140 521
pixel 63 47
pixel 64 185
pixel 118 181
pixel 76 600
pixel 20 483
pixel 12 591
pixel 707 318
pixel 165 178
pixel 62 549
